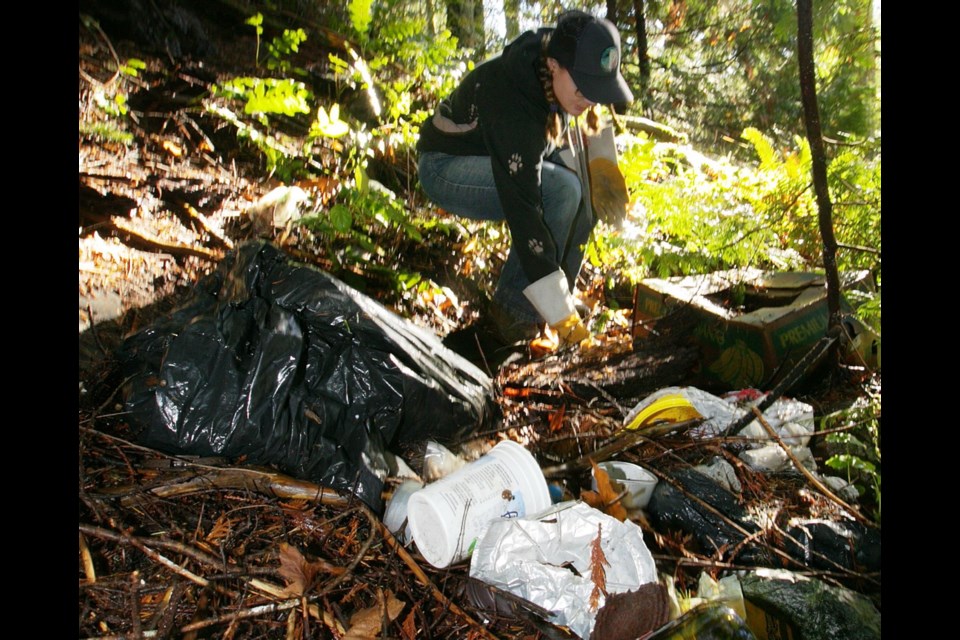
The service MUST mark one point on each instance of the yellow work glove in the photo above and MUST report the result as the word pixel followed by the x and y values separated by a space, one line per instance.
pixel 570 330
pixel 552 299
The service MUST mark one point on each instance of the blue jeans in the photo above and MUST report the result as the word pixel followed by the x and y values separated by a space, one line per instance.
pixel 463 185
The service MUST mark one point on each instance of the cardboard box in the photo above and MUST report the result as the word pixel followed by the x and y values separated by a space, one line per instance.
pixel 753 325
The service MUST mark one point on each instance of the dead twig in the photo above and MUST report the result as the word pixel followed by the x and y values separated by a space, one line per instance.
pixel 156 557
pixel 208 226
pixel 806 473
pixel 395 545
pixel 88 569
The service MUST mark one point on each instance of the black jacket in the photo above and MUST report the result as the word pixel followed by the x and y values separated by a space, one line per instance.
pixel 500 110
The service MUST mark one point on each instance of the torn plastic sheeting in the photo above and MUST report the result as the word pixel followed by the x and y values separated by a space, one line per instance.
pixel 815 543
pixel 528 557
pixel 286 365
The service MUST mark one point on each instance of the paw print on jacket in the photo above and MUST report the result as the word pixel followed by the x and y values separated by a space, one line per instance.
pixel 516 163
pixel 536 246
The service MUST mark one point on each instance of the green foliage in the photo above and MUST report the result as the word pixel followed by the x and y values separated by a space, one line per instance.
pixel 283 46
pixel 346 229
pixel 133 67
pixel 360 15
pixel 857 448
pixel 694 214
pixel 106 132
pixel 257 23
pixel 718 68
pixel 265 96
pixel 113 104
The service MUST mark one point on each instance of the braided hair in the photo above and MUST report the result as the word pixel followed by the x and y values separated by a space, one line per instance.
pixel 569 26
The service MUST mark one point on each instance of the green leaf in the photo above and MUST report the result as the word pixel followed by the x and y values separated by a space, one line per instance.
pixel 341 218
pixel 256 21
pixel 330 125
pixel 763 146
pixel 360 15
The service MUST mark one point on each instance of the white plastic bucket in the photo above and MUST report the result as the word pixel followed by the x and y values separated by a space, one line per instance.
pixel 448 516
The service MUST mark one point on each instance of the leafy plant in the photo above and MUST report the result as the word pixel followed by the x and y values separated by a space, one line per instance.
pixel 281 47
pixel 857 448
pixel 360 16
pixel 257 23
pixel 346 229
pixel 265 96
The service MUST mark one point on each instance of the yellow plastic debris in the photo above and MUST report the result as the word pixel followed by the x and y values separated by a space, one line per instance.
pixel 670 408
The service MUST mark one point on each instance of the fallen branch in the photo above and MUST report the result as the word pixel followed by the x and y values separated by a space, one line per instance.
pixel 622 442
pixel 207 226
pixel 807 362
pixel 166 247
pixel 264 482
pixel 806 472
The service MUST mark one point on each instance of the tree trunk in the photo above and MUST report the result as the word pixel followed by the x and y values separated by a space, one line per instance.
pixel 639 14
pixel 511 16
pixel 613 11
pixel 811 116
pixel 465 21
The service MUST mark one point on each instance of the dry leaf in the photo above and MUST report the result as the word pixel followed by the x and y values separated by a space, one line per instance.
pixel 365 624
pixel 298 572
pixel 598 575
pixel 542 345
pixel 409 626
pixel 556 419
pixel 632 614
pixel 608 495
pixel 221 529
pixel 293 569
pixel 172 148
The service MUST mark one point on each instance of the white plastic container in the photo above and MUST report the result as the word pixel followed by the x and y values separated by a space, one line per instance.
pixel 448 516
pixel 637 481
pixel 395 514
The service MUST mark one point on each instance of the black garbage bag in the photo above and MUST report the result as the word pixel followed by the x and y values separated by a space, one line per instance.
pixel 288 366
pixel 710 526
pixel 810 608
pixel 824 544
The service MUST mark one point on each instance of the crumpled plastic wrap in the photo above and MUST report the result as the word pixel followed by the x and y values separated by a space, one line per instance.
pixel 535 558
pixel 286 365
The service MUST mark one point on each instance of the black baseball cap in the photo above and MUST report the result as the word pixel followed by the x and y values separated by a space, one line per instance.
pixel 589 49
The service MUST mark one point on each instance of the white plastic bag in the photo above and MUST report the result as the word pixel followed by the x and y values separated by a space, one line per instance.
pixel 532 558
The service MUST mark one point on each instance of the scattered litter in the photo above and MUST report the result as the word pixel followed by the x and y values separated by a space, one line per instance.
pixel 546 559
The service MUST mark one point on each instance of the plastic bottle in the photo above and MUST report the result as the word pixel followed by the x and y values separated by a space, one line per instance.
pixel 708 621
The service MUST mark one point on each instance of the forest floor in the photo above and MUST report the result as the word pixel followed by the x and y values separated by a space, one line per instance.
pixel 161 210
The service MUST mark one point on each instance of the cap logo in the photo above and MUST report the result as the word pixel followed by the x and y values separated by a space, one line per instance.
pixel 609 59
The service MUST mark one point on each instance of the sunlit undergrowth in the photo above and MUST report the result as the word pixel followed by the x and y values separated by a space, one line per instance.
pixel 693 214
